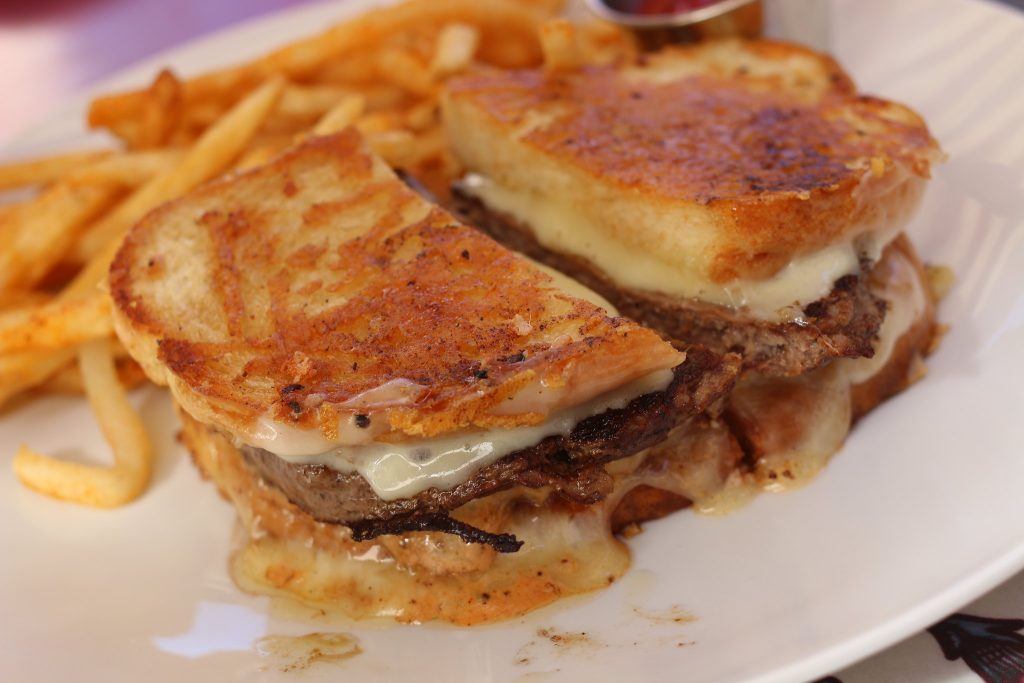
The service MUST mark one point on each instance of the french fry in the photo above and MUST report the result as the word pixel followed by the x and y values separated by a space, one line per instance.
pixel 507 30
pixel 123 428
pixel 394 146
pixel 60 324
pixel 211 154
pixel 161 111
pixel 257 156
pixel 602 42
pixel 37 234
pixel 341 116
pixel 456 46
pixel 17 300
pixel 68 379
pixel 46 169
pixel 355 69
pixel 561 46
pixel 404 70
pixel 21 371
pixel 423 116
pixel 127 170
pixel 379 122
pixel 308 102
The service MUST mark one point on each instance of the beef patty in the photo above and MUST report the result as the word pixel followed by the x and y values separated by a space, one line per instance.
pixel 571 465
pixel 844 324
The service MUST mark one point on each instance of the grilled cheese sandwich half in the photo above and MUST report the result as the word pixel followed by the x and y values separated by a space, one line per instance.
pixel 365 376
pixel 731 193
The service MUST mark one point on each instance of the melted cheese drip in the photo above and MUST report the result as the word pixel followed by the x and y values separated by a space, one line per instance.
pixel 562 227
pixel 562 555
pixel 403 469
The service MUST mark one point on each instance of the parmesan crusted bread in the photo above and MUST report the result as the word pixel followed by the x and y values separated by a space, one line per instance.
pixel 749 176
pixel 321 293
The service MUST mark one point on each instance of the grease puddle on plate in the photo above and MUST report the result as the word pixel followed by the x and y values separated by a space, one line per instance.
pixel 295 653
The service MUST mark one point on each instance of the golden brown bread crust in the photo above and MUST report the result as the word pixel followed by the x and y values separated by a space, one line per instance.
pixel 776 161
pixel 295 287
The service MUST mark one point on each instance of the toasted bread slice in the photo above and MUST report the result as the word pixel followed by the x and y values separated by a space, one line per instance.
pixel 320 294
pixel 743 174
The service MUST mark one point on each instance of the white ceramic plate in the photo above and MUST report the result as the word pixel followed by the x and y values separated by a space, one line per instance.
pixel 920 513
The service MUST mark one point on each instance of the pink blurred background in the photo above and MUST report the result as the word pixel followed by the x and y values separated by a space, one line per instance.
pixel 52 49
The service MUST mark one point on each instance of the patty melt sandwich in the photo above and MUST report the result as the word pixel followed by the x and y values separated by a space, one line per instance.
pixel 740 195
pixel 412 420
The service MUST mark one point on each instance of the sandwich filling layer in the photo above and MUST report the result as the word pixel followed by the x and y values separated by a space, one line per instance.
pixel 403 469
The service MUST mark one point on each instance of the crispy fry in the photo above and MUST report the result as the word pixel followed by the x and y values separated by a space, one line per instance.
pixel 602 42
pixel 355 69
pixel 308 102
pixel 404 70
pixel 161 111
pixel 341 116
pixel 257 156
pixel 347 53
pixel 561 46
pixel 424 116
pixel 379 122
pixel 68 380
pixel 395 146
pixel 127 170
pixel 456 46
pixel 45 169
pixel 57 325
pixel 16 301
pixel 211 154
pixel 21 371
pixel 96 485
pixel 36 235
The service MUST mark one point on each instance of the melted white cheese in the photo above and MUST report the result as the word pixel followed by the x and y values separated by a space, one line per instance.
pixel 576 289
pixel 401 470
pixel 561 227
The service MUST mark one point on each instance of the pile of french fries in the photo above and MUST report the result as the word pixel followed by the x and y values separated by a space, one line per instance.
pixel 382 72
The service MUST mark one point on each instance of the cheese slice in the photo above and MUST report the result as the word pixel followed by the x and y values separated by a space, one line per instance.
pixel 561 226
pixel 403 469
